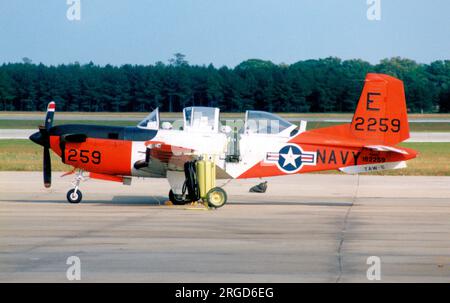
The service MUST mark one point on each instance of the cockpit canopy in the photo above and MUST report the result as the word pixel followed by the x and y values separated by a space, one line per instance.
pixel 151 121
pixel 206 119
pixel 199 118
pixel 260 122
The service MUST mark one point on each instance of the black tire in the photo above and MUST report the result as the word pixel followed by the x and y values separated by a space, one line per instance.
pixel 73 197
pixel 176 199
pixel 216 197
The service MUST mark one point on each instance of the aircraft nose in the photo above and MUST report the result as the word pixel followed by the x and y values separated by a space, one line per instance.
pixel 37 138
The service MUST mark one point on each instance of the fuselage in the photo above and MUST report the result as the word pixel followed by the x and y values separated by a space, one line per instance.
pixel 114 151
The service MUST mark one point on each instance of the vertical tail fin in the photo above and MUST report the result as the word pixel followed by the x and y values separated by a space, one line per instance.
pixel 381 115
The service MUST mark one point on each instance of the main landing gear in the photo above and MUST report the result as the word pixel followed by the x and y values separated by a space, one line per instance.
pixel 177 199
pixel 74 195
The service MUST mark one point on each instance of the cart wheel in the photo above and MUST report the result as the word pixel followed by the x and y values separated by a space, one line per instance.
pixel 216 197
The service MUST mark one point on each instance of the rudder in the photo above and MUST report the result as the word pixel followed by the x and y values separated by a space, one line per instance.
pixel 381 115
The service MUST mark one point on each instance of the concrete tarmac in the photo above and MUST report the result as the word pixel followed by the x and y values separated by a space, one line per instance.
pixel 305 228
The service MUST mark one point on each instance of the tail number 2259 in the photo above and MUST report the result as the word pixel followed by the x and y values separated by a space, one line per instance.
pixel 380 124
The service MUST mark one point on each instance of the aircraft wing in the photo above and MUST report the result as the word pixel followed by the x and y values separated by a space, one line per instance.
pixel 172 157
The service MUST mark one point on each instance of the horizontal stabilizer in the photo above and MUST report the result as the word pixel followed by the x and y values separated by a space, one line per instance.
pixel 367 168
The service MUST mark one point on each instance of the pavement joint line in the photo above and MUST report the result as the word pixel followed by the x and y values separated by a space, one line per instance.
pixel 343 231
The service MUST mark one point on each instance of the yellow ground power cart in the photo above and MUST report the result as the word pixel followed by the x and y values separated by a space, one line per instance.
pixel 206 175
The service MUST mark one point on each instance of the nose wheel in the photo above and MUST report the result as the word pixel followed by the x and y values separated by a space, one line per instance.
pixel 74 196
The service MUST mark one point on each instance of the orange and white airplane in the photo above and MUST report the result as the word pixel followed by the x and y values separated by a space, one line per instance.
pixel 267 145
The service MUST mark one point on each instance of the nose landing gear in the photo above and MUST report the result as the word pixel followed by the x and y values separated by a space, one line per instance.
pixel 74 195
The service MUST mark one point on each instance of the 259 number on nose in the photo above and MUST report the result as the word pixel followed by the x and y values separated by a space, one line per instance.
pixel 84 156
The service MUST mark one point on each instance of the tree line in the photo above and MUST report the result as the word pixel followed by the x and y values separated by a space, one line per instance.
pixel 323 85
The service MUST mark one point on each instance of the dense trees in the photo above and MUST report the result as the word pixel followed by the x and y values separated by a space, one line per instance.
pixel 324 85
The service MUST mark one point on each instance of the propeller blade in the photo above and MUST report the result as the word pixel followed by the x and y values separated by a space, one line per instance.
pixel 47 169
pixel 50 113
pixel 43 138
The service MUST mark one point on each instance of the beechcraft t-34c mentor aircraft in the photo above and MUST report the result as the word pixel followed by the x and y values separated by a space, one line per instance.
pixel 193 157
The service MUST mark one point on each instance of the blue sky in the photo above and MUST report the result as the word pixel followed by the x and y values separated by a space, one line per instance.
pixel 222 32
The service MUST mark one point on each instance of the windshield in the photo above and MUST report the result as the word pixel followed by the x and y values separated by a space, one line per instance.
pixel 260 122
pixel 151 121
pixel 201 118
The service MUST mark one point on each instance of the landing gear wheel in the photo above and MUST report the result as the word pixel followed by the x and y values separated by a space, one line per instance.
pixel 176 199
pixel 216 197
pixel 74 197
